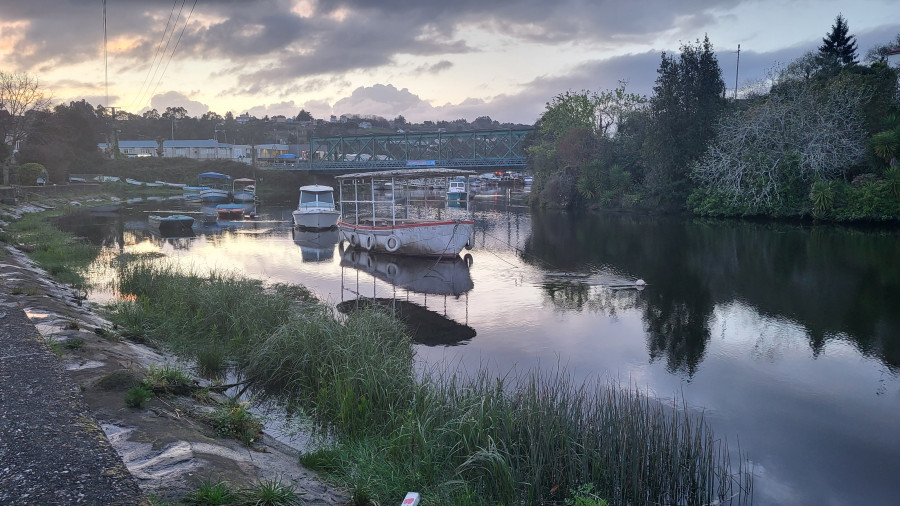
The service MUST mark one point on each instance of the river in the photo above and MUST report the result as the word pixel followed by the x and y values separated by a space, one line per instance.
pixel 786 336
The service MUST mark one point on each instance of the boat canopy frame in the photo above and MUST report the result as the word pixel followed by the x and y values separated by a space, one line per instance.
pixel 403 175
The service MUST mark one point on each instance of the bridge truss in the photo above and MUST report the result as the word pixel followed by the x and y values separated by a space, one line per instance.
pixel 482 149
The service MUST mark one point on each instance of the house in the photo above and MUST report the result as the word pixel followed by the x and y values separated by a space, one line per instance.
pixel 196 149
pixel 243 119
pixel 893 57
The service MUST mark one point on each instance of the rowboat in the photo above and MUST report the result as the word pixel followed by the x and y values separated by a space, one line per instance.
pixel 316 209
pixel 383 222
pixel 174 224
pixel 230 211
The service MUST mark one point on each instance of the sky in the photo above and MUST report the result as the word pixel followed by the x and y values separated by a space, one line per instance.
pixel 422 59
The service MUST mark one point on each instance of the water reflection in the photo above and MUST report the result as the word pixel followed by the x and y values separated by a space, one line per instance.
pixel 838 284
pixel 428 276
pixel 444 276
pixel 315 245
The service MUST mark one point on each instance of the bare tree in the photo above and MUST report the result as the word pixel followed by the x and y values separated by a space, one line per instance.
pixel 800 131
pixel 20 96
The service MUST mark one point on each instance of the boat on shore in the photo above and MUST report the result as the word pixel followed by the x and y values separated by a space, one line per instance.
pixel 316 209
pixel 174 224
pixel 385 224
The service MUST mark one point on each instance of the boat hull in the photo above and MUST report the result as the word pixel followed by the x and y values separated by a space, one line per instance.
pixel 243 196
pixel 316 219
pixel 214 195
pixel 174 225
pixel 430 238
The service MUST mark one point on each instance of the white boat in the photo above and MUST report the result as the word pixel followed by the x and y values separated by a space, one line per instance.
pixel 243 190
pixel 214 187
pixel 457 190
pixel 316 209
pixel 134 182
pixel 386 225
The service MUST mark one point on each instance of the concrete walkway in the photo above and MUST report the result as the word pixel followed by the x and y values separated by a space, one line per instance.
pixel 52 451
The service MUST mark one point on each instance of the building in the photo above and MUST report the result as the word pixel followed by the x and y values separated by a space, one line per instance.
pixel 195 149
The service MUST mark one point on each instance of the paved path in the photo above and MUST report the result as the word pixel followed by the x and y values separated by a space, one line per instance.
pixel 52 450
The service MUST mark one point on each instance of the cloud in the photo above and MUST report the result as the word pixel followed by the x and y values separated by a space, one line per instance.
pixel 175 99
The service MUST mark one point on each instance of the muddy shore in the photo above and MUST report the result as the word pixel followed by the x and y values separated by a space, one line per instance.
pixel 165 447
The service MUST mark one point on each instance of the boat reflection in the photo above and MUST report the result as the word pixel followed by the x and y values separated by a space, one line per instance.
pixel 315 245
pixel 449 278
pixel 417 274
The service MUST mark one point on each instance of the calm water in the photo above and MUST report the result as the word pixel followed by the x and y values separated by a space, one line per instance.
pixel 787 336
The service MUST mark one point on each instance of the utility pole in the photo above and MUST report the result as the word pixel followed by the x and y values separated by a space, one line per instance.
pixel 736 71
pixel 115 134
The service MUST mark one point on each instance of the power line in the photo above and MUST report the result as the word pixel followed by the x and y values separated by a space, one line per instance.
pixel 176 46
pixel 159 46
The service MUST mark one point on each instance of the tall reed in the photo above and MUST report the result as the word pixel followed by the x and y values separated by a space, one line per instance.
pixel 526 438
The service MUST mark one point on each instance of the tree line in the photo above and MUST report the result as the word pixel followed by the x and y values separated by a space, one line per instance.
pixel 819 139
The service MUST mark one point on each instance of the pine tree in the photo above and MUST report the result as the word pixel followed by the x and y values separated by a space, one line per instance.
pixel 838 46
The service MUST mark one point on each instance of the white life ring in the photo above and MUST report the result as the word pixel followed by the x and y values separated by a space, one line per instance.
pixel 354 239
pixel 392 243
pixel 391 269
pixel 366 241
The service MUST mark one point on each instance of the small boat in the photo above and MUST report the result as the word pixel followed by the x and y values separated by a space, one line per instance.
pixel 174 224
pixel 134 182
pixel 230 211
pixel 214 187
pixel 172 185
pixel 108 208
pixel 243 190
pixel 316 209
pixel 394 230
pixel 156 184
pixel 457 190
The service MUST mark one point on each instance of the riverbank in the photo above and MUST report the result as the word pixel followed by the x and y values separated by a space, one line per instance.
pixel 166 448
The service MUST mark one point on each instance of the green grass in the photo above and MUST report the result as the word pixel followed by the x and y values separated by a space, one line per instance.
pixel 137 397
pixel 527 438
pixel 168 380
pixel 62 255
pixel 236 422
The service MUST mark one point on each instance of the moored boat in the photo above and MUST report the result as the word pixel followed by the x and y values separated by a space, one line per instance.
pixel 243 190
pixel 214 187
pixel 393 230
pixel 457 190
pixel 230 211
pixel 316 208
pixel 174 224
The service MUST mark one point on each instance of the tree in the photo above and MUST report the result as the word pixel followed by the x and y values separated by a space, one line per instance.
pixel 765 158
pixel 688 98
pixel 838 47
pixel 20 97
pixel 880 53
pixel 304 115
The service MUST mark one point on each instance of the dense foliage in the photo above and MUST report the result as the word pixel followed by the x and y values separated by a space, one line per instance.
pixel 820 142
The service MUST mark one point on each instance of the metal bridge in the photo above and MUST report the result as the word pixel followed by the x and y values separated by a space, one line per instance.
pixel 489 150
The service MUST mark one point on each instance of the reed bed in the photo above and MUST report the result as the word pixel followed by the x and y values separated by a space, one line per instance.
pixel 529 438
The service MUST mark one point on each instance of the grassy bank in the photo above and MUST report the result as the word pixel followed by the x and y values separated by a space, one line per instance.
pixel 531 438
pixel 62 255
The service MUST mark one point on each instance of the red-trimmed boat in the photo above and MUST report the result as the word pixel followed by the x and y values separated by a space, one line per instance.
pixel 384 224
